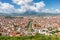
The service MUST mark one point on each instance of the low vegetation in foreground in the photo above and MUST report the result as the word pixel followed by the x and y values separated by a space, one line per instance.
pixel 36 37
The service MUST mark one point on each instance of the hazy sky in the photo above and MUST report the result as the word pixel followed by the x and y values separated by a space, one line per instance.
pixel 21 6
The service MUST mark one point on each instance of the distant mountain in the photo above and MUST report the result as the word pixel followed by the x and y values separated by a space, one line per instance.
pixel 29 14
pixel 35 14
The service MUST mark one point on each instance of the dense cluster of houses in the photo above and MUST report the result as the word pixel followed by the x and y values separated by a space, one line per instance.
pixel 22 26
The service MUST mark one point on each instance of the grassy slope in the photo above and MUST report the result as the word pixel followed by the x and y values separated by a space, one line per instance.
pixel 36 37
